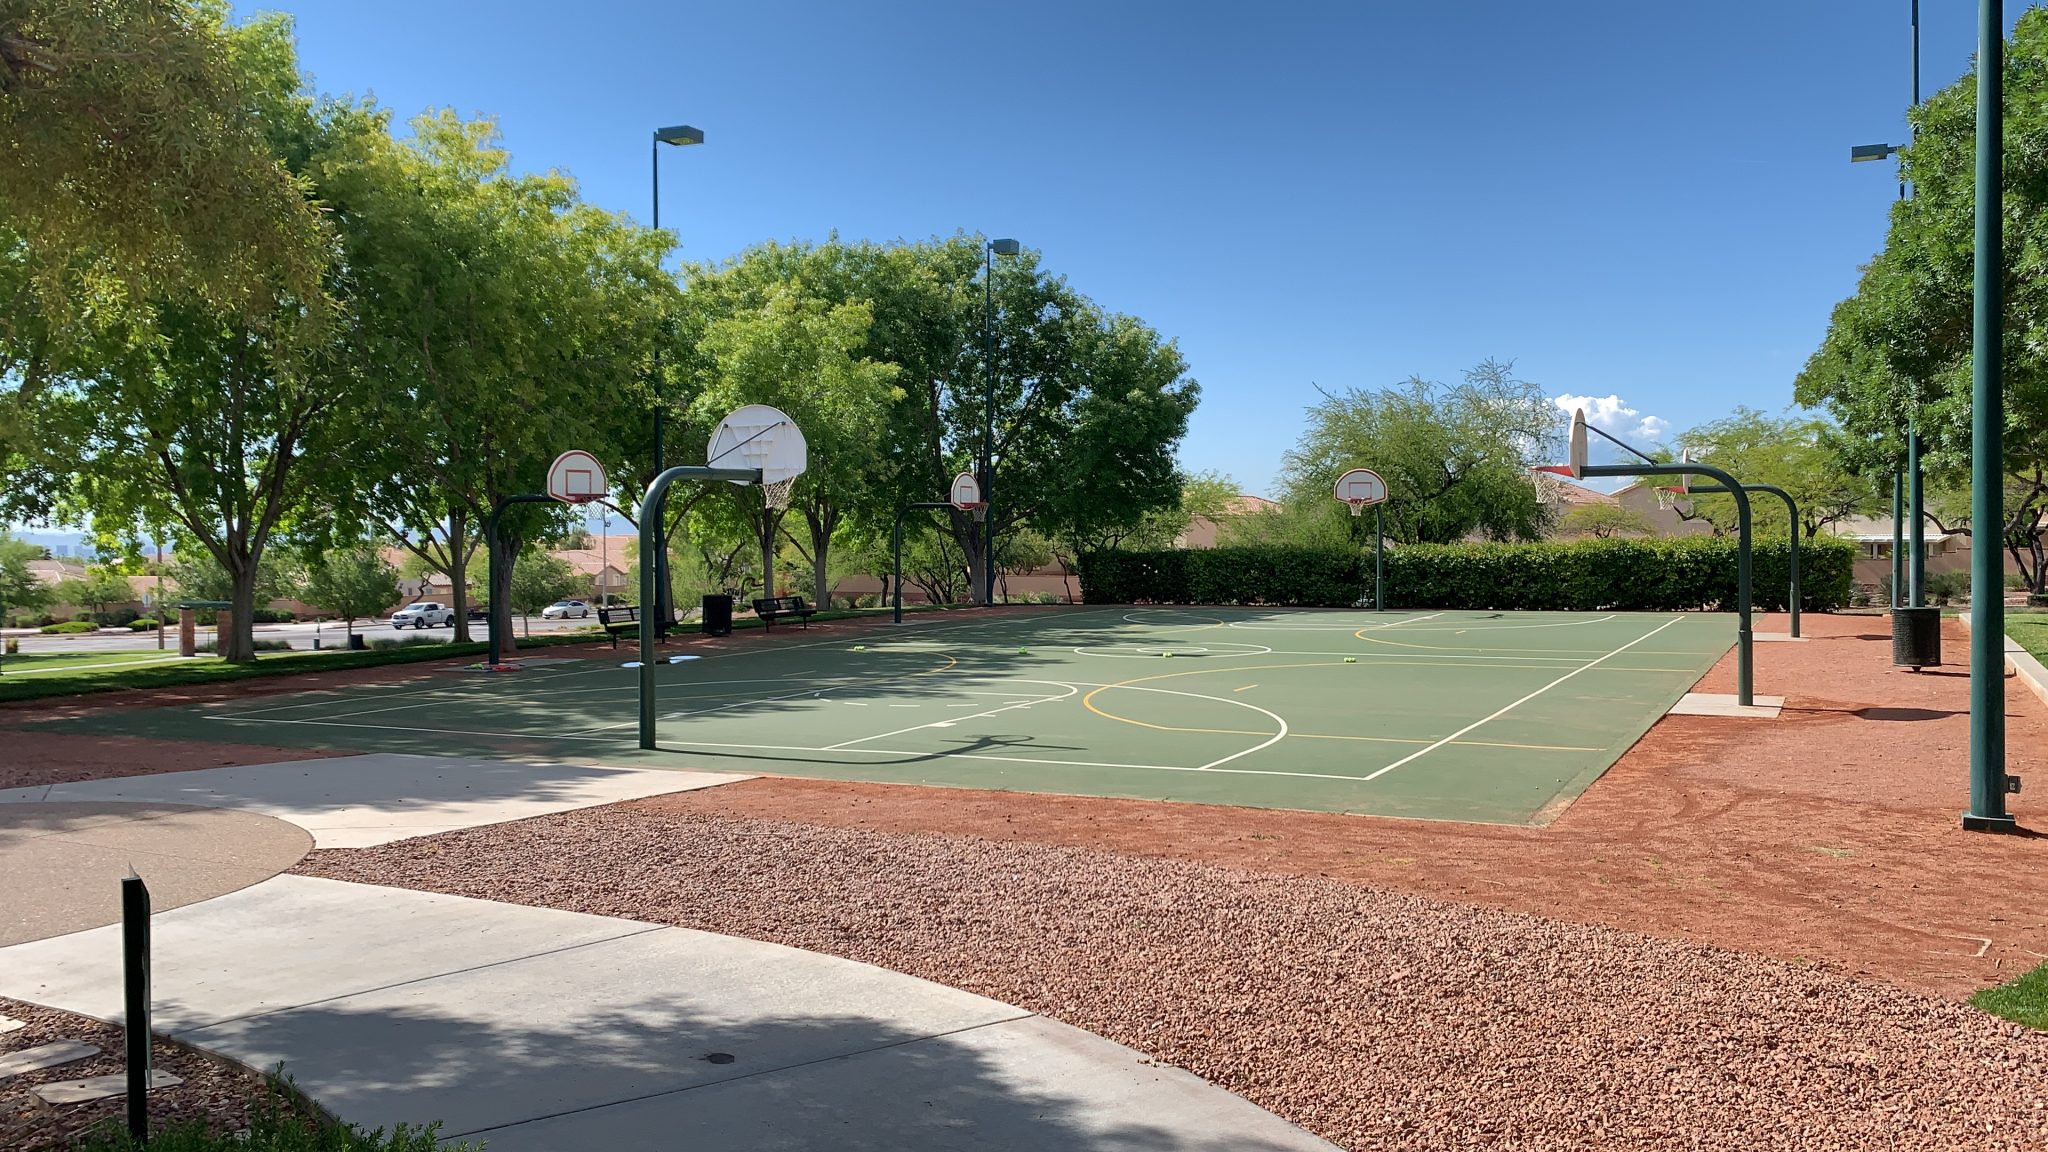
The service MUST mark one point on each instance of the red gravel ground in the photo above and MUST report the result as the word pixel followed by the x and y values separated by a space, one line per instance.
pixel 1376 1020
pixel 214 1091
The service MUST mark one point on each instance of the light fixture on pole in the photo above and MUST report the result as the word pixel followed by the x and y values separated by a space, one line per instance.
pixel 680 135
pixel 1909 533
pixel 990 251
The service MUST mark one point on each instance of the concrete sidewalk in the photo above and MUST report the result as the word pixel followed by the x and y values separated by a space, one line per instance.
pixel 532 1028
pixel 362 801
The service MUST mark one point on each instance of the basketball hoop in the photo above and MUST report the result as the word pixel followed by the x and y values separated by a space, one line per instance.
pixel 966 496
pixel 1361 488
pixel 576 478
pixel 763 438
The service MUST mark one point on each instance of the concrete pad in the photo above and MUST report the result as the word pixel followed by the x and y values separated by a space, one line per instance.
pixel 45 1056
pixel 10 1024
pixel 1019 1086
pixel 572 1030
pixel 99 1087
pixel 64 861
pixel 1778 637
pixel 1723 704
pixel 362 801
pixel 548 1029
pixel 289 941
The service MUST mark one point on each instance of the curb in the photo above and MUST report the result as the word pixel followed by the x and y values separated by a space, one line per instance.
pixel 2020 663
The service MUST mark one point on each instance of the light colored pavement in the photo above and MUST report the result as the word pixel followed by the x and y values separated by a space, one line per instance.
pixel 533 1028
pixel 64 862
pixel 360 801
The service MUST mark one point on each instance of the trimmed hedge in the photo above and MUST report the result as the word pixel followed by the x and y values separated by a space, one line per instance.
pixel 69 627
pixel 1650 575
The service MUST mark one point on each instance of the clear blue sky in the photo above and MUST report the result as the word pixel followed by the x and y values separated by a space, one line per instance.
pixel 1649 201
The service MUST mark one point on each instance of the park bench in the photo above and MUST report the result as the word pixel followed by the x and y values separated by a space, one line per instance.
pixel 619 620
pixel 776 606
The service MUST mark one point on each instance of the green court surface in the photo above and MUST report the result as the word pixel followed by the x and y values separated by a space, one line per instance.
pixel 1496 717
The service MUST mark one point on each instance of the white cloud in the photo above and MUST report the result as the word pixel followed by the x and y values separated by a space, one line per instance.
pixel 1613 414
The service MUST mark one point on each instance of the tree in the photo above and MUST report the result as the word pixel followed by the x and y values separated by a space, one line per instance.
pixel 1602 521
pixel 1456 459
pixel 1899 349
pixel 100 586
pixel 1801 454
pixel 137 150
pixel 352 583
pixel 19 587
pixel 538 580
pixel 771 337
pixel 231 424
pixel 499 321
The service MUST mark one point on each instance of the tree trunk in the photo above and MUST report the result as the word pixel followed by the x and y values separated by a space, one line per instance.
pixel 821 549
pixel 237 645
pixel 458 571
pixel 501 592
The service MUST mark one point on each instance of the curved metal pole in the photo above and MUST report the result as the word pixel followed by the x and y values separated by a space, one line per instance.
pixel 491 564
pixel 896 582
pixel 1745 667
pixel 1791 509
pixel 650 544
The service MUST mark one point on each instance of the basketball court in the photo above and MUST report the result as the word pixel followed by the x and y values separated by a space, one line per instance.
pixel 1493 717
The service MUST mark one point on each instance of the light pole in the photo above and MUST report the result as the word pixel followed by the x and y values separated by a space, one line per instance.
pixel 989 252
pixel 680 135
pixel 1913 540
pixel 1988 781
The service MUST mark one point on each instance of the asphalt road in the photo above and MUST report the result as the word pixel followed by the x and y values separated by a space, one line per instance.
pixel 300 636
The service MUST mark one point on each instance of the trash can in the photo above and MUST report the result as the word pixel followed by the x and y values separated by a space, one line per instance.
pixel 717 615
pixel 356 643
pixel 1916 637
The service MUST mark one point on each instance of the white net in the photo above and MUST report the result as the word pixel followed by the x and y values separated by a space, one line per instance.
pixel 1357 507
pixel 777 492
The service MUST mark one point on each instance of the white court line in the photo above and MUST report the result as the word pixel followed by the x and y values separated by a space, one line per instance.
pixel 1421 752
pixel 1071 691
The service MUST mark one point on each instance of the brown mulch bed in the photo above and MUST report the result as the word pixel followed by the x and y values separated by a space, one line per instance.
pixel 215 1092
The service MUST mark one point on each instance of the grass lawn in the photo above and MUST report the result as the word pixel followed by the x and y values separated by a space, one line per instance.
pixel 63 675
pixel 2031 631
pixel 2023 1001
pixel 58 663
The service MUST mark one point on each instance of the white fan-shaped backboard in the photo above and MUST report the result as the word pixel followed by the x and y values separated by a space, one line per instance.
pixel 576 477
pixel 1361 486
pixel 758 436
pixel 966 491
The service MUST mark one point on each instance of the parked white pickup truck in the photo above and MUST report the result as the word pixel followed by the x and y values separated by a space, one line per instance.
pixel 425 614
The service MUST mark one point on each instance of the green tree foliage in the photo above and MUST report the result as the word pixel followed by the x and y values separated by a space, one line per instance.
pixel 1602 521
pixel 353 583
pixel 101 586
pixel 538 580
pixel 1901 345
pixel 499 321
pixel 137 149
pixel 19 587
pixel 771 335
pixel 1801 454
pixel 1456 460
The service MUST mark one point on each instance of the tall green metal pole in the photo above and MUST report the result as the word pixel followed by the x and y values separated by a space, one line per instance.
pixel 1379 559
pixel 1898 595
pixel 988 425
pixel 1987 442
pixel 1792 511
pixel 650 538
pixel 1916 571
